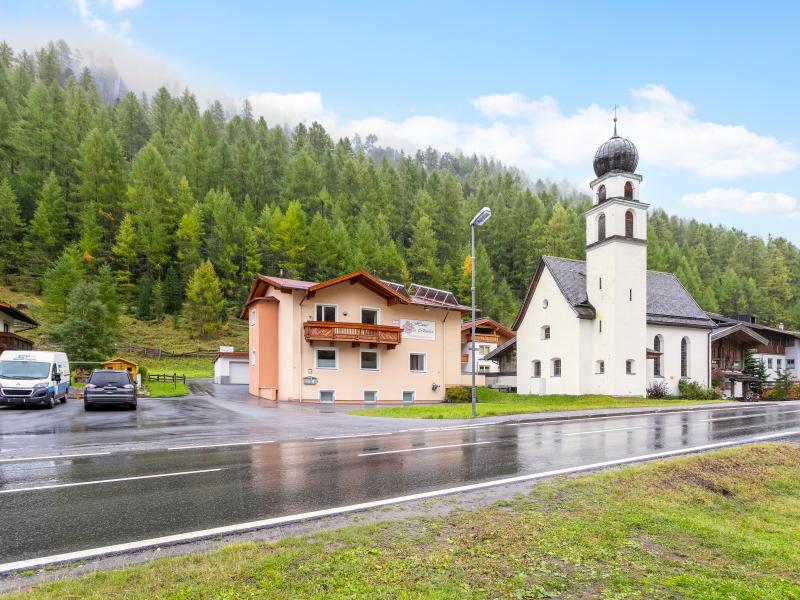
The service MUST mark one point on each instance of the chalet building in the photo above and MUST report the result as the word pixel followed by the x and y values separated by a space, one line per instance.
pixel 607 325
pixel 729 345
pixel 489 334
pixel 353 339
pixel 778 349
pixel 12 321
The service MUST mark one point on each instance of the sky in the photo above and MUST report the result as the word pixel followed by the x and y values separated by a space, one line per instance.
pixel 706 90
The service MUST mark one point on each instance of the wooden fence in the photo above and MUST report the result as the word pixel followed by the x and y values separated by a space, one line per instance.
pixel 174 378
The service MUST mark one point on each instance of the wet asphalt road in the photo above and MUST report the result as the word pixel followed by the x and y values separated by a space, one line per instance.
pixel 55 505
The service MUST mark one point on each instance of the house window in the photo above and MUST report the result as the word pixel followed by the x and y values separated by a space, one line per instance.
pixel 778 363
pixel 601 367
pixel 370 360
pixel 370 395
pixel 417 362
pixel 252 317
pixel 629 224
pixel 685 357
pixel 629 367
pixel 536 368
pixel 628 190
pixel 327 395
pixel 326 312
pixel 483 350
pixel 327 358
pixel 601 227
pixel 6 328
pixel 369 316
pixel 483 368
pixel 409 396
pixel 556 371
pixel 790 363
pixel 546 332
pixel 769 363
pixel 253 358
pixel 657 343
pixel 601 194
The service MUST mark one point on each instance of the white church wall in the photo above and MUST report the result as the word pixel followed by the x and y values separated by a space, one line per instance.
pixel 564 342
pixel 671 357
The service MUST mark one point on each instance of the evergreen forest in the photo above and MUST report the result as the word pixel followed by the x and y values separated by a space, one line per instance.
pixel 172 206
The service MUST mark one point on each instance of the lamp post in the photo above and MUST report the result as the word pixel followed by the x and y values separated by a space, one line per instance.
pixel 483 215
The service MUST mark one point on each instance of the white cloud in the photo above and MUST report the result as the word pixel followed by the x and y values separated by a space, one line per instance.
pixel 290 108
pixel 120 5
pixel 741 201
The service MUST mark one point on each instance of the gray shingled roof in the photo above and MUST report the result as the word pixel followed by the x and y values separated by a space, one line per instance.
pixel 668 302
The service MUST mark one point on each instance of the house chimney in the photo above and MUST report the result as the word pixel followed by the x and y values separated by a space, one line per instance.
pixel 780 326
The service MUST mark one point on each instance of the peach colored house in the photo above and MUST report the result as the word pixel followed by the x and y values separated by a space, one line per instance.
pixel 352 339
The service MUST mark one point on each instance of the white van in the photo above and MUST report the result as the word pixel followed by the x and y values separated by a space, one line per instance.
pixel 29 377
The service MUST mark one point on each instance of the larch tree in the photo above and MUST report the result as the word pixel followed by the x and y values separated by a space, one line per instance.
pixel 84 332
pixel 204 300
pixel 48 228
pixel 61 278
pixel 10 249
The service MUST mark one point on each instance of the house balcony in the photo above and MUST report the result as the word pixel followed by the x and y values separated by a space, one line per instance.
pixel 726 364
pixel 11 341
pixel 357 333
pixel 486 338
pixel 780 350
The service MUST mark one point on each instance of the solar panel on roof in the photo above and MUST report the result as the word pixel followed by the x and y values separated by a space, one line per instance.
pixel 397 287
pixel 433 295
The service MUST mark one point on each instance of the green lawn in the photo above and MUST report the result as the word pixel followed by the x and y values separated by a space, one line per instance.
pixel 492 403
pixel 720 525
pixel 161 389
pixel 200 366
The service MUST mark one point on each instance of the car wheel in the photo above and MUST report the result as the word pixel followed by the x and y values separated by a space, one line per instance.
pixel 64 398
pixel 133 406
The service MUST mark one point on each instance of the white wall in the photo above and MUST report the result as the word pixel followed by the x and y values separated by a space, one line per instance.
pixel 564 342
pixel 699 360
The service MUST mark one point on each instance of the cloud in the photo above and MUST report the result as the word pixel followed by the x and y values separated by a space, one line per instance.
pixel 744 202
pixel 120 5
pixel 290 108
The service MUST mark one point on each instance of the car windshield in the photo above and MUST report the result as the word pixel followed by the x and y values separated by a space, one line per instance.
pixel 24 369
pixel 103 378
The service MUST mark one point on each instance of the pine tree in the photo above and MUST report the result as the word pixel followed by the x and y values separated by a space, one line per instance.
pixel 47 229
pixel 101 174
pixel 91 240
pixel 84 333
pixel 125 249
pixel 131 125
pixel 157 300
pixel 422 252
pixel 189 236
pixel 204 301
pixel 61 278
pixel 144 298
pixel 107 293
pixel 289 240
pixel 173 291
pixel 10 249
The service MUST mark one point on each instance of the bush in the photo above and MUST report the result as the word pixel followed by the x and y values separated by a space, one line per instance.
pixel 658 389
pixel 459 395
pixel 691 390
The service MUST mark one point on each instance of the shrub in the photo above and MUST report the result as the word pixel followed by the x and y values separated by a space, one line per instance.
pixel 459 394
pixel 691 390
pixel 658 389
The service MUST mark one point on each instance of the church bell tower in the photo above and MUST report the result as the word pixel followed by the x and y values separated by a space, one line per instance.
pixel 616 270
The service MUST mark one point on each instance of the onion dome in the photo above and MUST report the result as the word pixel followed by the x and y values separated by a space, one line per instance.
pixel 617 154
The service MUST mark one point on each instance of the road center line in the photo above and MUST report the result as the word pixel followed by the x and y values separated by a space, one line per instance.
pixel 99 481
pixel 253 443
pixel 603 430
pixel 425 448
pixel 353 435
pixel 53 457
pixel 328 512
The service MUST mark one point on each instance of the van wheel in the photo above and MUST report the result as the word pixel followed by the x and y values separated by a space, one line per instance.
pixel 64 398
pixel 51 401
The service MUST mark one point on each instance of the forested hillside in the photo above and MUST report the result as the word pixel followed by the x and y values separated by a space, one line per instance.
pixel 177 206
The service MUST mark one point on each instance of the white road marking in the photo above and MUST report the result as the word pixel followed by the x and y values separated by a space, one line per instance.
pixel 354 435
pixel 53 457
pixel 328 512
pixel 252 443
pixel 99 481
pixel 749 416
pixel 603 430
pixel 425 448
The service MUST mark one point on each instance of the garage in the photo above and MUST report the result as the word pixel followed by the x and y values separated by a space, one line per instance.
pixel 231 368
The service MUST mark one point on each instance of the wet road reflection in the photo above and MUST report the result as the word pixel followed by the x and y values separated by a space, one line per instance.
pixel 199 488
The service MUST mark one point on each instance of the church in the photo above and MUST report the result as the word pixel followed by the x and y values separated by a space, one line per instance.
pixel 607 325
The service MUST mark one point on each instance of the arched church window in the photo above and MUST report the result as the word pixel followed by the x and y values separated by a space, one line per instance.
pixel 628 190
pixel 657 344
pixel 601 227
pixel 601 194
pixel 629 224
pixel 685 357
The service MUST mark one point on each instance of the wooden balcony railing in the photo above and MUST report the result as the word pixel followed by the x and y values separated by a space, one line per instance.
pixel 11 341
pixel 323 331
pixel 726 364
pixel 771 350
pixel 487 338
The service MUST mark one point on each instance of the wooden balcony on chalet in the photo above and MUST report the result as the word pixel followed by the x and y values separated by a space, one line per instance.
pixel 357 333
pixel 726 364
pixel 486 338
pixel 771 349
pixel 11 341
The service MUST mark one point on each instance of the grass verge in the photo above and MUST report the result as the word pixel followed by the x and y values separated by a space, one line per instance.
pixel 492 403
pixel 718 525
pixel 162 389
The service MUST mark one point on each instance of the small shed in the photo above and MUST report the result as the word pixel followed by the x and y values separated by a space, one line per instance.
pixel 231 367
pixel 122 364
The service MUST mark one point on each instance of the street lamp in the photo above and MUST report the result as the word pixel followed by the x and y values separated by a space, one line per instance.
pixel 483 215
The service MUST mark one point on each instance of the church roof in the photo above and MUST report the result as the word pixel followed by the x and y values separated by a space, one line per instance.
pixel 668 302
